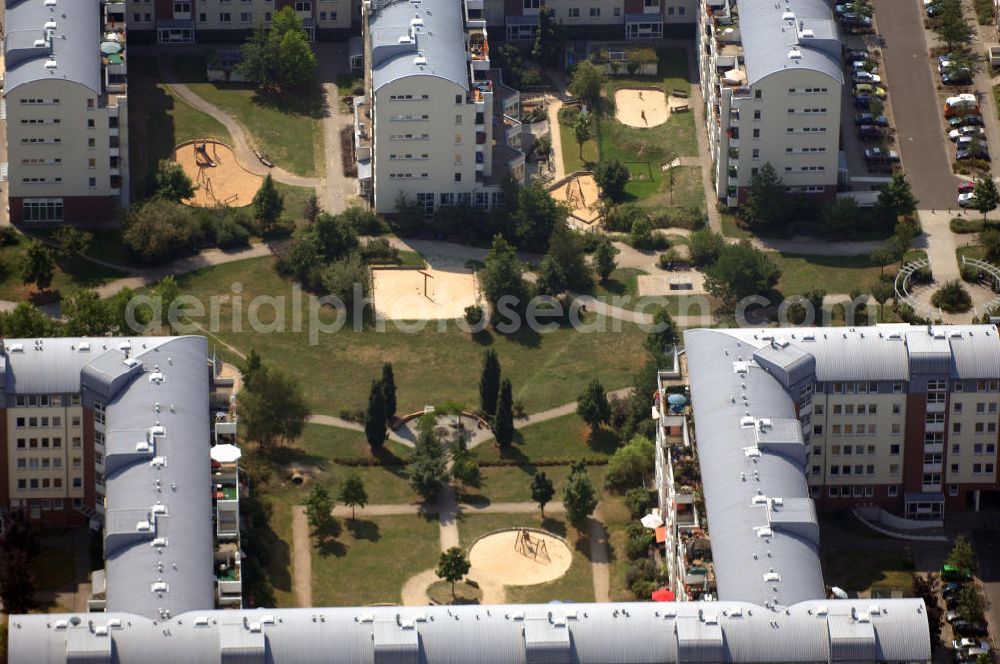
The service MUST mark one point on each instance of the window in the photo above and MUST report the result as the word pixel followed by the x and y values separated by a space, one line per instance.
pixel 894 469
pixel 574 12
pixel 756 133
pixel 303 6
pixel 956 427
pixel 849 409
pixel 99 412
pixel 837 409
pixel 818 409
pixel 953 469
pixel 531 4
pixel 872 408
pixel 617 11
pixel 595 12
pixel 934 418
pixel 894 450
pixel 952 489
pixel 182 7
pixel 247 17
pixel 77 482
pixel 756 114
pixel 225 17
pixel 91 143
pixel 835 449
pixel 816 470
pixel 958 407
pixel 836 429
pixel 834 491
pixel 458 120
pixel 956 448
pixel 757 94
pixel 818 429
pixel 458 177
pixel 897 387
pixel 893 491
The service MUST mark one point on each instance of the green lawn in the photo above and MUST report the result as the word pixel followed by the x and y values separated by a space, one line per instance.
pixel 971 251
pixel 512 484
pixel 731 227
pixel 867 570
pixel 159 120
pixel 295 199
pixel 335 443
pixel 623 281
pixel 86 275
pixel 572 161
pixel 616 517
pixel 371 559
pixel 578 583
pixel 431 367
pixel 287 127
pixel 54 568
pixel 565 438
pixel 834 274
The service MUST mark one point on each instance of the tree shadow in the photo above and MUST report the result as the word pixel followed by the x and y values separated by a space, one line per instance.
pixel 286 455
pixel 604 552
pixel 364 530
pixel 604 441
pixel 483 337
pixel 475 500
pixel 328 546
pixel 309 100
pixel 524 336
pixel 555 526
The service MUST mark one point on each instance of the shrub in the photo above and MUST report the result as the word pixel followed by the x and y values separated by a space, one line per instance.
pixel 984 11
pixel 952 298
pixel 963 225
pixel 668 258
pixel 971 274
pixel 642 577
pixel 706 246
pixel 568 114
pixel 474 314
pixel 638 501
pixel 281 228
pixel 365 222
pixel 379 250
pixel 160 230
pixel 638 545
pixel 922 276
pixel 631 464
pixel 971 167
pixel 228 234
pixel 691 218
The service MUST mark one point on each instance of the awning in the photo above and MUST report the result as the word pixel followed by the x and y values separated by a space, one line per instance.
pixel 663 595
pixel 225 453
pixel 737 76
pixel 651 521
pixel 643 18
pixel 918 497
pixel 661 535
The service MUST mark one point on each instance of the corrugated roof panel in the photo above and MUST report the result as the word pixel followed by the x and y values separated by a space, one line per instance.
pixel 439 40
pixel 767 38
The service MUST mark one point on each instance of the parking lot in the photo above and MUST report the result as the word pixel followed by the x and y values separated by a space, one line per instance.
pixel 916 111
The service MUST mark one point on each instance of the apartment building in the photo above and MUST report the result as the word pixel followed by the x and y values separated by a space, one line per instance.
pixel 772 82
pixel 893 416
pixel 66 110
pixel 188 21
pixel 436 125
pixel 115 433
pixel 613 19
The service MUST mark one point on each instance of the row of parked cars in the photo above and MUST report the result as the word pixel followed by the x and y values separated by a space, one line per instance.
pixel 966 127
pixel 967 644
pixel 863 72
pixel 854 16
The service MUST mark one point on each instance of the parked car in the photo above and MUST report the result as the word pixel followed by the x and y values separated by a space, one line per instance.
pixel 965 200
pixel 970 142
pixel 881 154
pixel 967 132
pixel 960 76
pixel 964 155
pixel 973 629
pixel 870 133
pixel 862 65
pixel 971 120
pixel 855 22
pixel 970 643
pixel 854 55
pixel 964 187
pixel 862 101
pixel 934 9
pixel 868 89
pixel 871 119
pixel 866 77
pixel 961 109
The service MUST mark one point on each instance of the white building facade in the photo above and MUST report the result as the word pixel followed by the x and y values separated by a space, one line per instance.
pixel 772 86
pixel 437 125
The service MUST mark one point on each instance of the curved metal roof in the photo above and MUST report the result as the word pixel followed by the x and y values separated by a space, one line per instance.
pixel 423 38
pixel 74 45
pixel 619 633
pixel 768 37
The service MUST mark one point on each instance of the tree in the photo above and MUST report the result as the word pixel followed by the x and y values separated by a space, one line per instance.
pixel 882 291
pixel 604 259
pixel 18 582
pixel 319 510
pixel 279 57
pixel 37 265
pixel 171 182
pixel 592 406
pixel 841 218
pixel 953 29
pixel 348 279
pixel 19 534
pixel 122 321
pixel 167 291
pixel 272 408
pixel 503 421
pixel 353 494
pixel 536 216
pixel 962 555
pixel 706 246
pixel 741 270
pixel 990 239
pixel 970 603
pixel 452 566
pixel 581 130
pixel 542 490
pixel 579 496
pixel 336 235
pixel 464 466
pixel 549 38
pixel 73 243
pixel 502 274
pixel 882 256
pixel 612 176
pixel 986 198
pixel 159 230
pixel 428 467
pixel 489 382
pixel 663 334
pixel 375 417
pixel 311 208
pixel 564 266
pixel 86 315
pixel 27 321
pixel 389 391
pixel 895 199
pixel 268 204
pixel 587 82
pixel 767 202
pixel 641 235
pixel 631 464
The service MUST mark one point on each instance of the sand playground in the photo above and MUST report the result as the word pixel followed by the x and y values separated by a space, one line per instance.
pixel 644 108
pixel 427 294
pixel 581 193
pixel 520 557
pixel 219 178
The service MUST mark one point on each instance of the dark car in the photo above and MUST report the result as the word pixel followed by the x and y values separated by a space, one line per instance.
pixel 870 132
pixel 856 56
pixel 881 154
pixel 964 155
pixel 935 9
pixel 951 588
pixel 971 120
pixel 974 629
pixel 952 600
pixel 863 101
pixel 871 119
pixel 961 76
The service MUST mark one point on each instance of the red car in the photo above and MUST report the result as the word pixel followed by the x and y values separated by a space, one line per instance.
pixel 966 187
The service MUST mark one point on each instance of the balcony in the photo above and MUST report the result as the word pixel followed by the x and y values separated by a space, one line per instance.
pixel 934 427
pixel 479 49
pixel 930 488
pixel 932 448
pixel 228 576
pixel 935 407
pixel 932 467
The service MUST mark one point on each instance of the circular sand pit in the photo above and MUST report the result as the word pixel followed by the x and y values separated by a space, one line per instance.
pixel 520 557
pixel 641 108
pixel 218 177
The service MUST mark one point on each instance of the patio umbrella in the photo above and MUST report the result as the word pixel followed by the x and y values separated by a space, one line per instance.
pixel 663 595
pixel 838 593
pixel 677 400
pixel 651 521
pixel 226 453
pixel 110 47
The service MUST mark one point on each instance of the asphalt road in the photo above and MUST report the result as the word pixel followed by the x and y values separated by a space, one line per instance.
pixel 915 103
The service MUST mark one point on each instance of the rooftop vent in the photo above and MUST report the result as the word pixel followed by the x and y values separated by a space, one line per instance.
pixel 50 64
pixel 764 531
pixel 131 362
pixel 143 527
pixel 159 508
pixel 420 61
pixel 115 622
pixel 159 542
pixel 822 610
pixel 142 446
pixel 159 587
pixel 772 577
pixel 39 43
pixel 404 39
pixel 50 25
pixel 101 630
pixel 156 377
pixel 50 3
pixel 201 621
pixel 787 16
pixel 759 500
pixel 807 33
pixel 794 54
pixel 15 348
pixel 84 346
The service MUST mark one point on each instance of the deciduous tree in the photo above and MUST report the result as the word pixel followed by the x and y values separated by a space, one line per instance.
pixel 579 496
pixel 453 566
pixel 542 490
pixel 353 494
pixel 612 176
pixel 986 197
pixel 428 467
pixel 587 82
pixel 272 408
pixel 37 265
pixel 604 259
pixel 319 510
pixel 592 405
pixel 171 182
pixel 268 204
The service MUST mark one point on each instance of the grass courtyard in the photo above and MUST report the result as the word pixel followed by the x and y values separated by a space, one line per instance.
pixel 834 274
pixel 287 127
pixel 431 367
pixel 86 275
